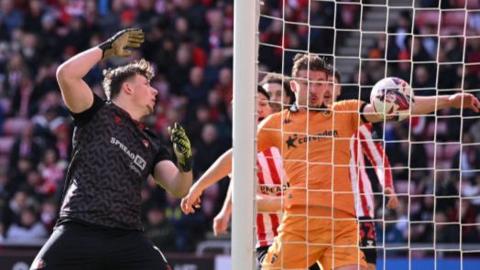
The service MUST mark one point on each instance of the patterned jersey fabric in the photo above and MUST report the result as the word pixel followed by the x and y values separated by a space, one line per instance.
pixel 112 156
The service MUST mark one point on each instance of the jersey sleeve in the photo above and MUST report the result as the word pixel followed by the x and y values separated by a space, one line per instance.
pixel 161 155
pixel 388 170
pixel 353 108
pixel 85 116
pixel 376 155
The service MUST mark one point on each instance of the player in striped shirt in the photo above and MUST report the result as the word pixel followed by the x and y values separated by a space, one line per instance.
pixel 364 144
pixel 270 175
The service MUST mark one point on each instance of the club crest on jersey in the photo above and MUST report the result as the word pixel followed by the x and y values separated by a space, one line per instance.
pixel 117 120
pixel 327 113
pixel 146 143
pixel 274 258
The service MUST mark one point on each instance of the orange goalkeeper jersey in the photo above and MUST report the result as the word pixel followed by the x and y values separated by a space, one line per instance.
pixel 316 164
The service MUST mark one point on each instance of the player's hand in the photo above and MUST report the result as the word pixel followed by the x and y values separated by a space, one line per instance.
pixel 181 147
pixel 392 198
pixel 191 201
pixel 220 223
pixel 469 101
pixel 121 43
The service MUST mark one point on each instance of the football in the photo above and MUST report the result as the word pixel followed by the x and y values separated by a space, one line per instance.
pixel 393 98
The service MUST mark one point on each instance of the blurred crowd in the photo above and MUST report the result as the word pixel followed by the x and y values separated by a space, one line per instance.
pixel 190 43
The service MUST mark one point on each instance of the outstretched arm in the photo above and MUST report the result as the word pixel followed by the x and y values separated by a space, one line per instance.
pixel 428 104
pixel 425 105
pixel 76 94
pixel 269 204
pixel 219 169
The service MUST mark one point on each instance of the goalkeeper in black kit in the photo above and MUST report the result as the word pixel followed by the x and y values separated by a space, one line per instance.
pixel 99 225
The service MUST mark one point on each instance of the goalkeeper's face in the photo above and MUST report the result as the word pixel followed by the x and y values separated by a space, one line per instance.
pixel 143 94
pixel 312 89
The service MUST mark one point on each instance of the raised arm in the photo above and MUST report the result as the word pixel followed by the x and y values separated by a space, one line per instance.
pixel 76 94
pixel 219 169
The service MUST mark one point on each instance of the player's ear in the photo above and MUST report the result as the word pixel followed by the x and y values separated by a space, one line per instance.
pixel 338 89
pixel 294 86
pixel 127 87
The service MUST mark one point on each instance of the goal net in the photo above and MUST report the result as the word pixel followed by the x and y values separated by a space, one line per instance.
pixel 435 159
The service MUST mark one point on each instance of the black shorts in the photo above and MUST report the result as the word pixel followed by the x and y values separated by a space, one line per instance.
pixel 74 246
pixel 262 252
pixel 368 243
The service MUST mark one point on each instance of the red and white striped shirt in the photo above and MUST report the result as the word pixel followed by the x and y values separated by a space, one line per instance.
pixel 271 181
pixel 361 184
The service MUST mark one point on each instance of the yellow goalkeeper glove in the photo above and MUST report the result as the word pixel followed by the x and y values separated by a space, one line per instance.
pixel 121 43
pixel 181 147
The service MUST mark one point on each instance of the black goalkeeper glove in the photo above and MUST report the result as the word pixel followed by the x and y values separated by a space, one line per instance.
pixel 181 147
pixel 121 43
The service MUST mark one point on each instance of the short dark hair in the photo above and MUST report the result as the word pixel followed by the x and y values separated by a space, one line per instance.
pixel 303 61
pixel 337 75
pixel 283 81
pixel 262 91
pixel 334 72
pixel 114 78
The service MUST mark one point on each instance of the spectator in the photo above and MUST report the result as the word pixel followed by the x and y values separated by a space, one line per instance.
pixel 52 169
pixel 445 233
pixel 48 214
pixel 159 230
pixel 468 158
pixel 28 229
pixel 196 89
pixel 189 229
pixel 12 210
pixel 208 148
pixel 11 16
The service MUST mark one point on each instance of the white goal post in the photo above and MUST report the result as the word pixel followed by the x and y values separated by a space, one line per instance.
pixel 244 128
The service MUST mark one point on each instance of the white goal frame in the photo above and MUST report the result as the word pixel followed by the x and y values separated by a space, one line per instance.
pixel 244 130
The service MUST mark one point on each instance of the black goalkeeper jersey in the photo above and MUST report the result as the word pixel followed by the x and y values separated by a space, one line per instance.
pixel 112 157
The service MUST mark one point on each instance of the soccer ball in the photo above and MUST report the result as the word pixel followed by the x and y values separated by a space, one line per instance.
pixel 392 97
